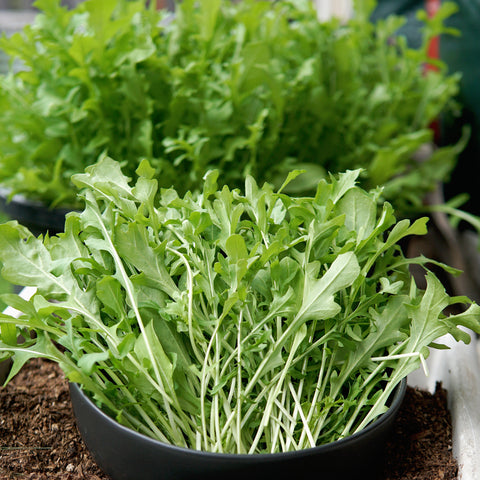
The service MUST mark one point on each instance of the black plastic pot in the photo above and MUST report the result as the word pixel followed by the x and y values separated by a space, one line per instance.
pixel 33 214
pixel 124 454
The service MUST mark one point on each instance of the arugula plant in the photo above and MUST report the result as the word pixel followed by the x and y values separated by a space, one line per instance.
pixel 228 321
pixel 247 88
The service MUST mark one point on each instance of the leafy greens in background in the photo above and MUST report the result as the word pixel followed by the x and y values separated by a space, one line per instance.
pixel 251 87
pixel 228 320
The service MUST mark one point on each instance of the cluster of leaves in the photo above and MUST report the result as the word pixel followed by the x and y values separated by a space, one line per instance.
pixel 251 87
pixel 226 321
pixel 84 87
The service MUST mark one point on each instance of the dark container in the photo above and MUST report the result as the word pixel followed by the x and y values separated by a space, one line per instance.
pixel 33 214
pixel 124 454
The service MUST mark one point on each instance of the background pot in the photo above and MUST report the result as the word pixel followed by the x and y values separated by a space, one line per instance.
pixel 127 455
pixel 33 214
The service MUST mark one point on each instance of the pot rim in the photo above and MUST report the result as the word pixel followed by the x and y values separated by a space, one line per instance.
pixel 397 399
pixel 23 201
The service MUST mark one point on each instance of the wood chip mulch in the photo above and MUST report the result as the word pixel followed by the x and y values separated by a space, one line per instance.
pixel 422 444
pixel 39 439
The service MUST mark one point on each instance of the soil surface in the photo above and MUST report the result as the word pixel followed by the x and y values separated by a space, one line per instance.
pixel 422 445
pixel 39 439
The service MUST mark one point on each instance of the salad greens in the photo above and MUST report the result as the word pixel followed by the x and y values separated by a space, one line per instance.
pixel 247 88
pixel 226 320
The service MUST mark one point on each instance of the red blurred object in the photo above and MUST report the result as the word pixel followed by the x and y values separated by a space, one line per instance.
pixel 432 7
pixel 161 4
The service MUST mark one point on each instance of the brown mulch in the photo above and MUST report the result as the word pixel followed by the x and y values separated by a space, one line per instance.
pixel 39 439
pixel 422 446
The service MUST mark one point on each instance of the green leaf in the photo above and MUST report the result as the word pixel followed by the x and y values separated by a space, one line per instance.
pixel 236 248
pixel 102 176
pixel 134 246
pixel 290 178
pixel 165 366
pixel 89 360
pixel 145 170
pixel 109 293
pixel 31 265
pixel 208 18
pixel 318 293
pixel 8 334
pixel 173 343
pixel 41 348
pixel 360 212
